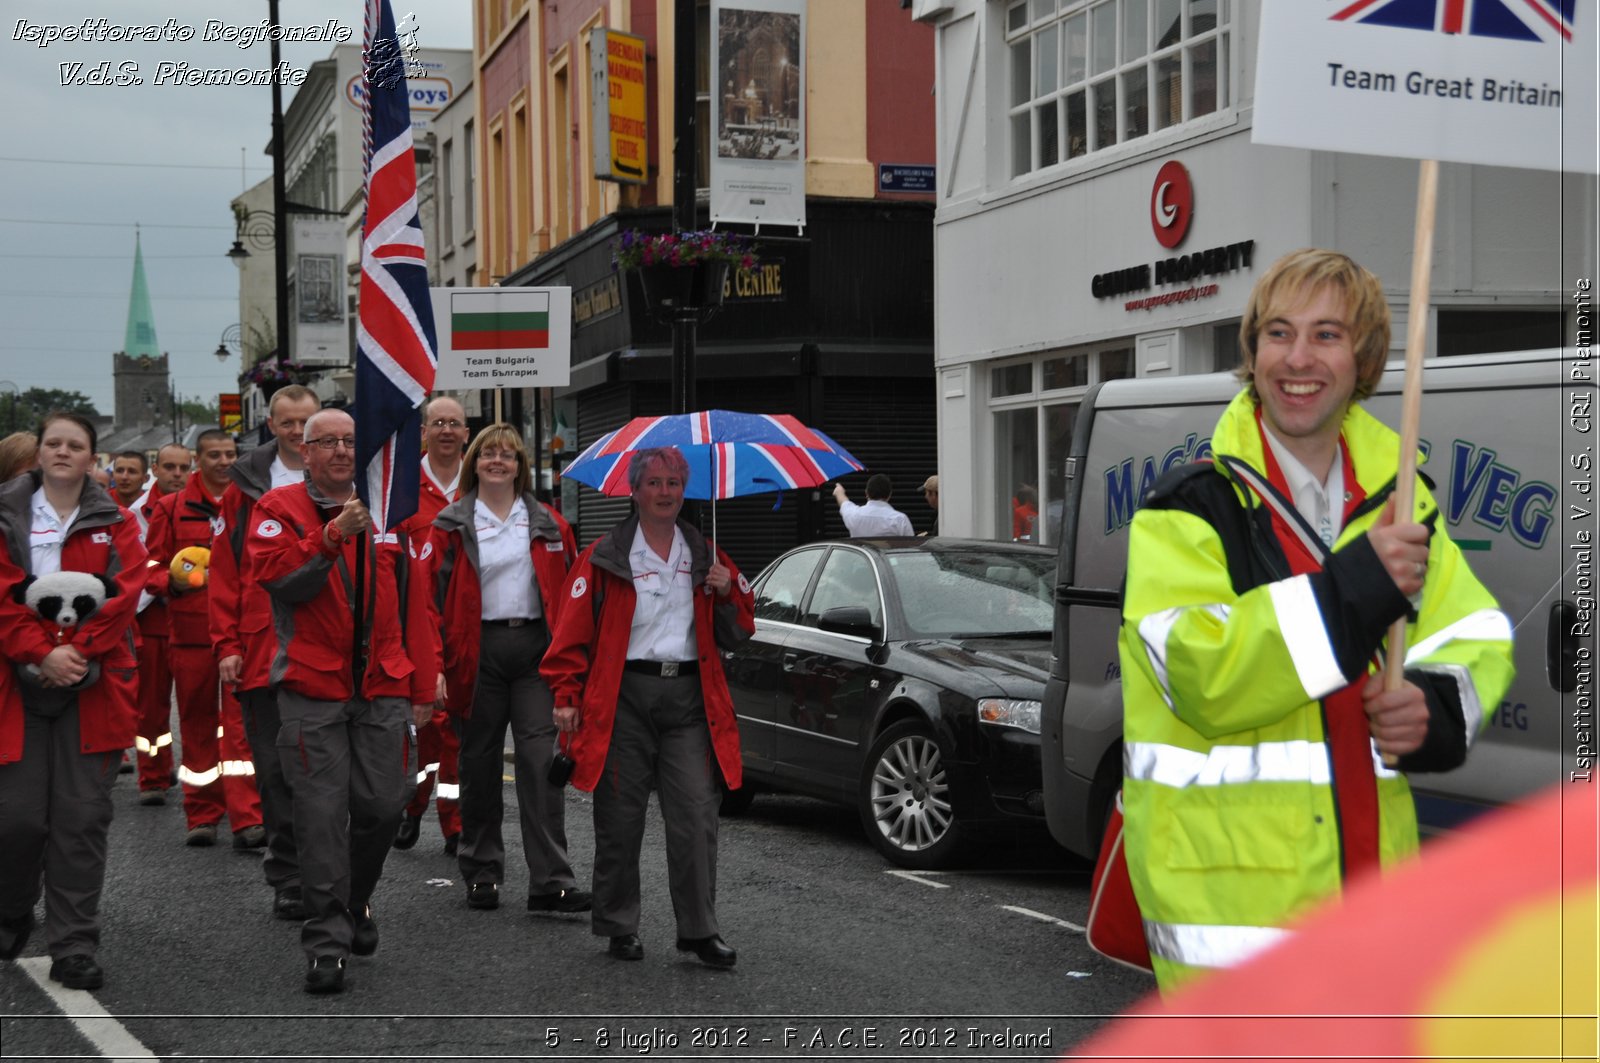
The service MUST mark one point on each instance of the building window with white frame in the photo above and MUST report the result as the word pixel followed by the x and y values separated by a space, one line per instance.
pixel 1086 75
pixel 1034 408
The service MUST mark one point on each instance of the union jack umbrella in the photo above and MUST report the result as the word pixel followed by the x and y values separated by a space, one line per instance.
pixel 737 453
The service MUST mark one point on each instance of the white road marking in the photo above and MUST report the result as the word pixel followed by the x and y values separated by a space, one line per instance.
pixel 107 1035
pixel 916 876
pixel 1031 914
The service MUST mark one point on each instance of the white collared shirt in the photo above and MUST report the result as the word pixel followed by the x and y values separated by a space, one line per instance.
pixel 875 519
pixel 282 475
pixel 446 489
pixel 663 613
pixel 1321 504
pixel 48 532
pixel 505 566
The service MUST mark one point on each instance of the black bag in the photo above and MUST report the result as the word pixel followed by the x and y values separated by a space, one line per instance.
pixel 561 767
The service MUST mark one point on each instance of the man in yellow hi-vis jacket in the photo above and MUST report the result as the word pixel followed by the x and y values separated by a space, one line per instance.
pixel 1260 588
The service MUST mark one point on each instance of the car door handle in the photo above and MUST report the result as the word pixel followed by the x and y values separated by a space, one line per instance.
pixel 788 662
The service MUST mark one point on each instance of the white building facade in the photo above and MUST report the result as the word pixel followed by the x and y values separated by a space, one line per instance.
pixel 1102 213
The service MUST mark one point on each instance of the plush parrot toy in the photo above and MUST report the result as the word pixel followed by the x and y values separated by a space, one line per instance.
pixel 190 566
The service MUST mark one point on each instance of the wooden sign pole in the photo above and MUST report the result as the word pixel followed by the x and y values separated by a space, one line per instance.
pixel 1411 400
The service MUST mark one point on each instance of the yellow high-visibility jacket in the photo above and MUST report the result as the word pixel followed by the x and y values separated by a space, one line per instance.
pixel 1231 815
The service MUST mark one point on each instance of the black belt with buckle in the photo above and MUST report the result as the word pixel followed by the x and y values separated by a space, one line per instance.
pixel 663 669
pixel 515 621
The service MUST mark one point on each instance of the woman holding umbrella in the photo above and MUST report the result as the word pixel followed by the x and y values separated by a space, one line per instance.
pixel 499 583
pixel 65 722
pixel 635 667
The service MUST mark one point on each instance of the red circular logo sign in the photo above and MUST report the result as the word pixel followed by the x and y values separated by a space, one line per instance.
pixel 1171 204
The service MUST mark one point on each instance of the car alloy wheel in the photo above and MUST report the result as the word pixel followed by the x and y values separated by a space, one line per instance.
pixel 905 799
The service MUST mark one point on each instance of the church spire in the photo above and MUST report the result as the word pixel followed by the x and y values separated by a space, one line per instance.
pixel 141 334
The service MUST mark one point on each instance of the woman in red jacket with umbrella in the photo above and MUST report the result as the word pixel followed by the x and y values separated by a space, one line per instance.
pixel 636 669
pixel 64 723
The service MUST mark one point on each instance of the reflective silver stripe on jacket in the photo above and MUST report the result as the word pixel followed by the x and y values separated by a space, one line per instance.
pixel 1300 620
pixel 1200 945
pixel 1296 761
pixel 1488 625
pixel 1153 631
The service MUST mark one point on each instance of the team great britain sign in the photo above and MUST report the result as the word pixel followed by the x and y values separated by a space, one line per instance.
pixel 1497 82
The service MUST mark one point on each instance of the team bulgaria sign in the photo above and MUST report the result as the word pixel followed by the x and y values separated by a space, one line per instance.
pixel 503 337
pixel 1497 82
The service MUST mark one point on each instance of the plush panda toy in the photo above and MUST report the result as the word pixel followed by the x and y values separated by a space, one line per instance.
pixel 63 600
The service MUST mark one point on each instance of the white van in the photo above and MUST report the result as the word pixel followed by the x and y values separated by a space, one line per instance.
pixel 1510 448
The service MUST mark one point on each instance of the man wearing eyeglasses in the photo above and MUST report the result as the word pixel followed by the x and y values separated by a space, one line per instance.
pixel 345 605
pixel 241 630
pixel 444 440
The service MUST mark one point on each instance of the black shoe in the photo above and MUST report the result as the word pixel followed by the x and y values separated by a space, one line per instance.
pixel 713 951
pixel 14 933
pixel 326 975
pixel 410 830
pixel 251 838
pixel 626 947
pixel 365 941
pixel 288 904
pixel 567 900
pixel 77 972
pixel 203 835
pixel 483 895
pixel 452 843
pixel 152 797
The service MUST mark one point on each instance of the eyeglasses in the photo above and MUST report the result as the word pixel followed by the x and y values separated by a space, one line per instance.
pixel 442 424
pixel 331 442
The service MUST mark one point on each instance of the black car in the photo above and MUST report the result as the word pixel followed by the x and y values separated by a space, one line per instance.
pixel 902 677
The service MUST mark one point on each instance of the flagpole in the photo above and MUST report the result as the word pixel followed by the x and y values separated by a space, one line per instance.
pixel 1411 396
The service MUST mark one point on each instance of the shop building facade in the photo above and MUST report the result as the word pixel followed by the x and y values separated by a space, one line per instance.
pixel 1102 213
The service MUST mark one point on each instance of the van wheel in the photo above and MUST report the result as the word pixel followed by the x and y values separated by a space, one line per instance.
pixel 904 799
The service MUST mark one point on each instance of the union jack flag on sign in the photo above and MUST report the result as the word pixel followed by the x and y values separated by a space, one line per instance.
pixel 1517 20
pixel 396 352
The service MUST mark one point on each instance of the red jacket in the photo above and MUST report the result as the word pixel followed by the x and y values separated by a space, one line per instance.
pixel 104 539
pixel 240 614
pixel 313 617
pixel 584 662
pixel 188 518
pixel 458 596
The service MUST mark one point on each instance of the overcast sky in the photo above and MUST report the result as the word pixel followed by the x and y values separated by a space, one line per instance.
pixel 82 165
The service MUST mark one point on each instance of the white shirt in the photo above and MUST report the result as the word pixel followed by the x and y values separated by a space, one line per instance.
pixel 875 519
pixel 505 567
pixel 282 475
pixel 663 613
pixel 137 509
pixel 446 489
pixel 1321 504
pixel 48 532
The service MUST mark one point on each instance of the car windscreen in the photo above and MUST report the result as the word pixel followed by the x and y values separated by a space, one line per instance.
pixel 974 594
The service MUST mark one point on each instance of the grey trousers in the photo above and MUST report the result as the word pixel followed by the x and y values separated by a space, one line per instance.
pixel 352 766
pixel 55 811
pixel 261 726
pixel 511 694
pixel 660 739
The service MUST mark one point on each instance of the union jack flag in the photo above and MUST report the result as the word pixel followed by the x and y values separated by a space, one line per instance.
pixel 1517 20
pixel 396 353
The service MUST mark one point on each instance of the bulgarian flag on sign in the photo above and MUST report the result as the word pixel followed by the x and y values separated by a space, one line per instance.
pixel 499 321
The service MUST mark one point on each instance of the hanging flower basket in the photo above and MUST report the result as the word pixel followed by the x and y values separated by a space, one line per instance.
pixel 270 375
pixel 682 271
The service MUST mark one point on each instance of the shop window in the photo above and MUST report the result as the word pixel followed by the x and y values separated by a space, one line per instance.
pixel 1016 447
pixel 1070 372
pixel 1491 331
pixel 1122 67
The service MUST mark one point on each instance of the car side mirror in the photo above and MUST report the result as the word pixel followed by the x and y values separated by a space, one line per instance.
pixel 850 620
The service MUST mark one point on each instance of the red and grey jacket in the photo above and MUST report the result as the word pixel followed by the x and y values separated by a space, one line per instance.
pixel 188 518
pixel 240 615
pixel 588 647
pixel 104 539
pixel 314 593
pixel 458 595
